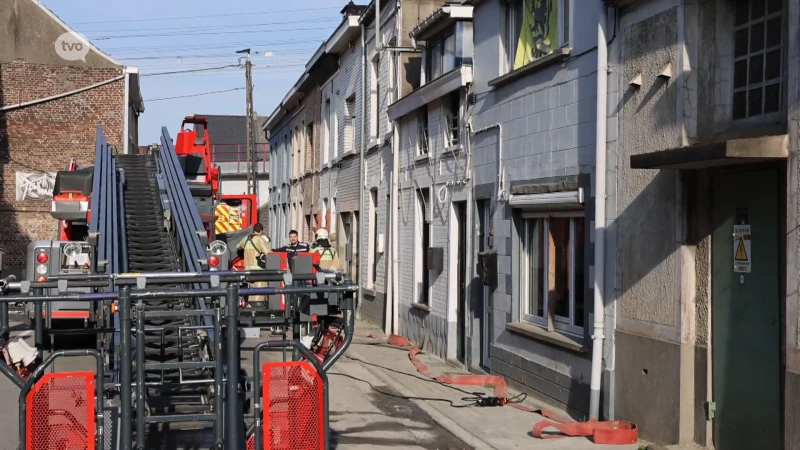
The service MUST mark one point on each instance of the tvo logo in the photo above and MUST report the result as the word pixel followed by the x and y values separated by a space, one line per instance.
pixel 72 47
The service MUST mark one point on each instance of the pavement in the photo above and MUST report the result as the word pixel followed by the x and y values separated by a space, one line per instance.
pixel 480 428
pixel 377 400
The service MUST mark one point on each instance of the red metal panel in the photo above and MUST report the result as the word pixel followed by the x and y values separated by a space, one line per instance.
pixel 294 409
pixel 60 413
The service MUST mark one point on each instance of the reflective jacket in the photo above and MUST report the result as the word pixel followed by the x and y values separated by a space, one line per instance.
pixel 329 259
pixel 253 246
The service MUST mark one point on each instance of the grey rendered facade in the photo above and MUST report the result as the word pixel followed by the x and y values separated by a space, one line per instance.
pixel 533 133
pixel 706 333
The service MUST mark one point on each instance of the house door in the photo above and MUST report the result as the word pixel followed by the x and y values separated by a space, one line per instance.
pixel 745 297
pixel 461 296
pixel 481 302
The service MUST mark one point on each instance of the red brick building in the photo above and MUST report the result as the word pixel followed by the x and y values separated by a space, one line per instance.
pixel 55 89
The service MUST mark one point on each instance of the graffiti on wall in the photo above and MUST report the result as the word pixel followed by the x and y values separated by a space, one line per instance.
pixel 35 186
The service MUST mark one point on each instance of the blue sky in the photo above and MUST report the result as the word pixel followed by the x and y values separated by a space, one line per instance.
pixel 176 35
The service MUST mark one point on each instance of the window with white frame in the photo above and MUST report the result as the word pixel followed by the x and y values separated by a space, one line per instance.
pixel 422 240
pixel 350 124
pixel 758 54
pixel 422 131
pixel 451 117
pixel 374 97
pixel 552 271
pixel 297 152
pixel 308 159
pixel 326 143
pixel 335 119
pixel 533 29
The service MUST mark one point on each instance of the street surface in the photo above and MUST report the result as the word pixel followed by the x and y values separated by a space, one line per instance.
pixel 360 415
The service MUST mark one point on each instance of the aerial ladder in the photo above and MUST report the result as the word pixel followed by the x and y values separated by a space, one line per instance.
pixel 136 265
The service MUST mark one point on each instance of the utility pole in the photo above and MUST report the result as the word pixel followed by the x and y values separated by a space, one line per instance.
pixel 251 132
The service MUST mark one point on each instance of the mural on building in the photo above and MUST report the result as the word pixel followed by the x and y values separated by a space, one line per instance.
pixel 36 186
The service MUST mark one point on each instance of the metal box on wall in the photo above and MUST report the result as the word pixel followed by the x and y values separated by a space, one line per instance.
pixel 435 259
pixel 487 268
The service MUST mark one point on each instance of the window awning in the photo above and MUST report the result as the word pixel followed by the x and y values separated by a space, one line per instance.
pixel 716 154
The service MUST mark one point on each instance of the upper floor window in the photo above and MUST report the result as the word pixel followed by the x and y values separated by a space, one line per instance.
pixel 441 56
pixel 451 116
pixel 326 143
pixel 422 131
pixel 757 67
pixel 534 28
pixel 350 124
pixel 374 97
pixel 309 159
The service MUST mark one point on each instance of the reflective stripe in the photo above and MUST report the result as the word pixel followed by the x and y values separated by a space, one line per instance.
pixel 227 219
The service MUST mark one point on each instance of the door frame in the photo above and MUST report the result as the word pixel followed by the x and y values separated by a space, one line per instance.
pixel 782 173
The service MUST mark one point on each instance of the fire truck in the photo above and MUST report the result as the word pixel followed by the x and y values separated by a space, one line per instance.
pixel 140 264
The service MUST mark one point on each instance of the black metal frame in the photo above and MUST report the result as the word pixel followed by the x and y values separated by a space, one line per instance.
pixel 228 413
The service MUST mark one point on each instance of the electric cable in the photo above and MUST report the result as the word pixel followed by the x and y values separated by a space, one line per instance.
pixel 192 95
pixel 223 27
pixel 204 33
pixel 206 16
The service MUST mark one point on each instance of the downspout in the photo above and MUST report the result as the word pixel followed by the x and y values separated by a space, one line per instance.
pixel 378 25
pixel 363 146
pixel 599 214
pixel 395 185
pixel 125 114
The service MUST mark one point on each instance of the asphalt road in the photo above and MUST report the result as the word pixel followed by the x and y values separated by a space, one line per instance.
pixel 364 413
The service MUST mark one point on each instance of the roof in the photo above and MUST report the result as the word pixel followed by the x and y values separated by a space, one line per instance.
pixel 230 129
pixel 440 19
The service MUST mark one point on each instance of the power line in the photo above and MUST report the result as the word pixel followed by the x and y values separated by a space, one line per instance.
pixel 218 45
pixel 206 16
pixel 223 27
pixel 193 95
pixel 190 70
pixel 299 51
pixel 203 33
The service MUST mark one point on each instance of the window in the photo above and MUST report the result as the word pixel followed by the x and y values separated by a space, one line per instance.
pixel 451 116
pixel 335 134
pixel 324 213
pixel 440 56
pixel 422 131
pixel 551 272
pixel 350 124
pixel 373 236
pixel 326 144
pixel 309 157
pixel 298 152
pixel 374 98
pixel 422 239
pixel 757 67
pixel 533 29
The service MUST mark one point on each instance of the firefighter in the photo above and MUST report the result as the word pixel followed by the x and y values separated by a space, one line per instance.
pixel 329 257
pixel 294 245
pixel 256 247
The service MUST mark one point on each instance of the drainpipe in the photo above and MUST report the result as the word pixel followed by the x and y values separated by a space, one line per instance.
pixel 363 176
pixel 126 108
pixel 395 183
pixel 599 215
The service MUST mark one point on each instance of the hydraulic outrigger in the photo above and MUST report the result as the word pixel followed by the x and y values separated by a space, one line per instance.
pixel 169 341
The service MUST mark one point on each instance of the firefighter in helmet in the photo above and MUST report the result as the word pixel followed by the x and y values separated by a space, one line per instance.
pixel 255 247
pixel 329 259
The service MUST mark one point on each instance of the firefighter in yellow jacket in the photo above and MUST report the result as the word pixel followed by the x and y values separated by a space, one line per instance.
pixel 329 259
pixel 254 246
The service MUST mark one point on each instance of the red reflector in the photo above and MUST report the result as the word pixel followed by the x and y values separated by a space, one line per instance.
pixel 41 279
pixel 41 257
pixel 213 261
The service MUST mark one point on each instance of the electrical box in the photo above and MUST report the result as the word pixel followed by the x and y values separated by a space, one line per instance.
pixel 381 241
pixel 487 268
pixel 435 259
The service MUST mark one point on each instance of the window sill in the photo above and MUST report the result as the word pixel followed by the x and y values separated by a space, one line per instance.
pixel 555 338
pixel 421 158
pixel 421 307
pixel 556 57
pixel 368 292
pixel 373 143
pixel 344 156
pixel 452 150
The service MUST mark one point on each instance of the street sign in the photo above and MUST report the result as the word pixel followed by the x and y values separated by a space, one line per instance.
pixel 742 256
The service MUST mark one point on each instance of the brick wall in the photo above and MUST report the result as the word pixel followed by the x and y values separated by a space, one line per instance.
pixel 45 136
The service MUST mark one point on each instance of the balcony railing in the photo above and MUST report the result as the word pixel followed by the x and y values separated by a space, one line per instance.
pixel 232 158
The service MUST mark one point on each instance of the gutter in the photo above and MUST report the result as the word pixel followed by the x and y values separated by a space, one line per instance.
pixel 599 214
pixel 394 323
